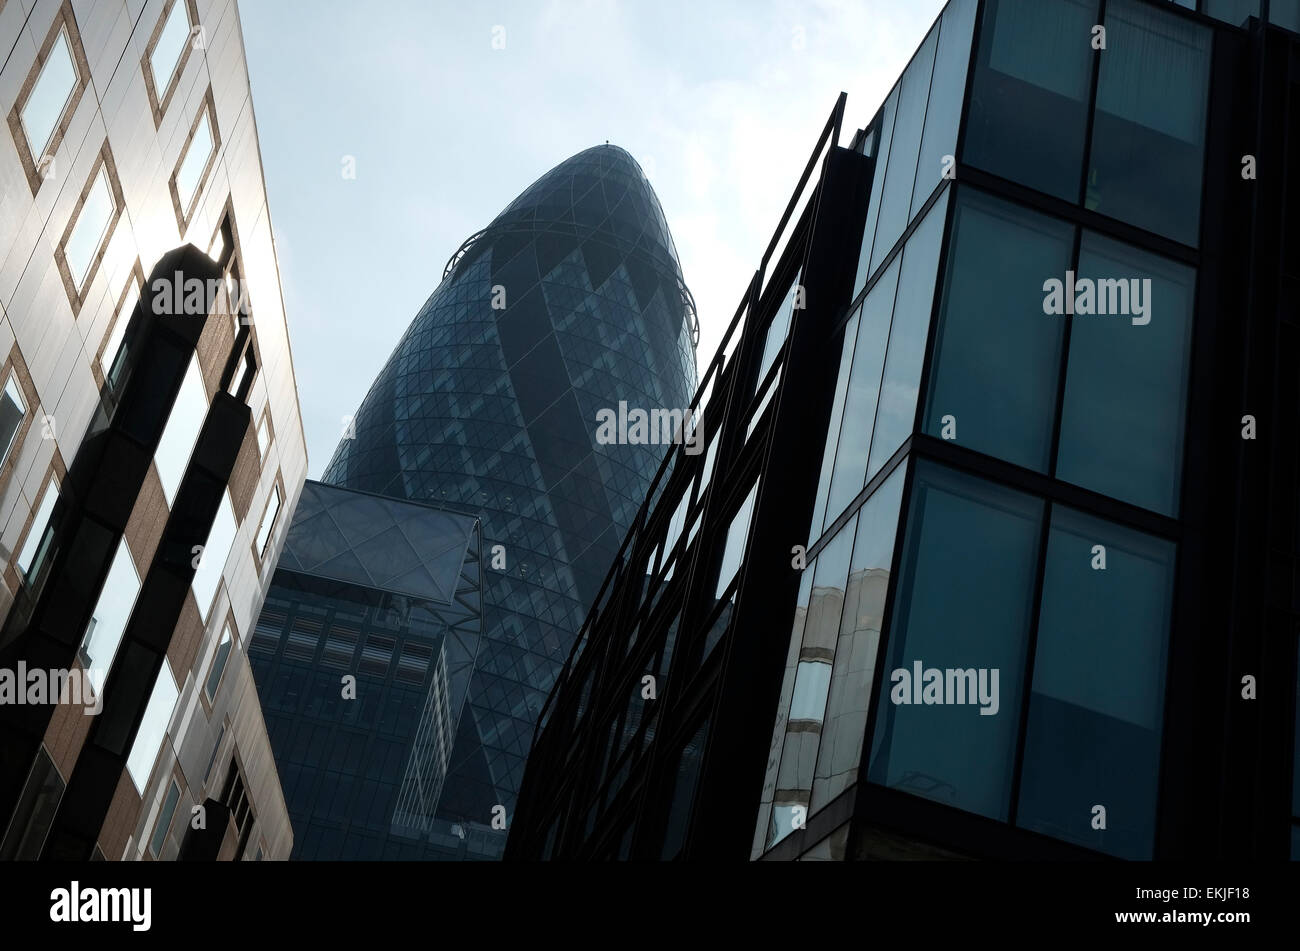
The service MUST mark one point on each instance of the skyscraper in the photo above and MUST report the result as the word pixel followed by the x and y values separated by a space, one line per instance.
pixel 995 536
pixel 569 303
pixel 150 435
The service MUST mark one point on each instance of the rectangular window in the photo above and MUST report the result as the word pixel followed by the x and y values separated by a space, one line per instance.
pixel 166 815
pixel 1116 366
pixel 1029 98
pixel 89 233
pixel 733 552
pixel 33 551
pixel 965 604
pixel 167 50
pixel 1097 704
pixel 263 437
pixel 108 621
pixel 153 728
pixel 1148 141
pixel 267 527
pixel 216 551
pixel 13 410
pixel 219 663
pixel 194 164
pixel 997 356
pixel 50 95
pixel 182 431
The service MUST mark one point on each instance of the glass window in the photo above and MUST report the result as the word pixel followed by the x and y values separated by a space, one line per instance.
pixel 168 807
pixel 108 621
pixel 171 44
pixel 263 437
pixel 844 723
pixel 896 413
pixel 190 173
pixel 183 426
pixel 733 552
pixel 947 87
pixel 833 427
pixel 960 630
pixel 896 201
pixel 1235 12
pixel 35 812
pixel 1126 383
pixel 49 97
pixel 27 558
pixel 1148 138
pixel 1029 99
pixel 997 356
pixel 887 113
pixel 212 560
pixel 117 335
pixel 269 517
pixel 1285 13
pixel 679 809
pixel 13 410
pixel 1097 703
pixel 153 728
pixel 777 330
pixel 91 230
pixel 219 663
pixel 863 393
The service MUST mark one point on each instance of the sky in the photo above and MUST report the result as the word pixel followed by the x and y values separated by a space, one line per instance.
pixel 444 111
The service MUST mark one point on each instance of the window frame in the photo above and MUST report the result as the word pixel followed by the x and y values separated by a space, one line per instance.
pixel 160 100
pixel 79 292
pixel 186 211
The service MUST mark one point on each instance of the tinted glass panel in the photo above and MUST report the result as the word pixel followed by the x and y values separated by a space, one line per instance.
pixel 1097 702
pixel 1285 13
pixel 1149 128
pixel 964 604
pixel 947 87
pixel 833 427
pixel 1029 101
pixel 49 96
pixel 997 355
pixel 733 551
pixel 896 202
pixel 896 414
pixel 1235 12
pixel 887 114
pixel 1126 384
pixel 164 819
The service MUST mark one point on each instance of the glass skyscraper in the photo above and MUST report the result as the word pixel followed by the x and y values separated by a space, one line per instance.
pixel 570 302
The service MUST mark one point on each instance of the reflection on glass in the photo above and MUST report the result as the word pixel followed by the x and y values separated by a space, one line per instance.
pixel 88 234
pixel 965 598
pixel 153 728
pixel 13 409
pixel 1029 99
pixel 183 425
pixel 1126 384
pixel 27 558
pixel 219 663
pixel 896 414
pixel 117 335
pixel 833 427
pixel 171 44
pixel 190 173
pixel 216 551
pixel 49 97
pixel 164 816
pixel 1148 138
pixel 845 721
pixel 1097 704
pixel 947 87
pixel 997 356
pixel 108 620
pixel 887 113
pixel 733 552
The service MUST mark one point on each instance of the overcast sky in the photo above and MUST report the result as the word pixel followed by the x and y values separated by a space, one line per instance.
pixel 719 101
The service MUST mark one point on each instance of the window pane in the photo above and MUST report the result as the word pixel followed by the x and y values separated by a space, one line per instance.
pixel 35 812
pixel 863 392
pixel 44 509
pixel 88 233
pixel 13 408
pixel 777 330
pixel 733 552
pixel 153 728
pixel 263 437
pixel 44 107
pixel 1235 12
pixel 1029 100
pixel 964 605
pixel 219 663
pixel 887 113
pixel 112 611
pixel 1096 708
pixel 845 721
pixel 183 425
pixel 904 147
pixel 169 804
pixel 216 551
pixel 896 414
pixel 195 162
pixel 268 521
pixel 997 356
pixel 1149 129
pixel 1126 385
pixel 1285 13
pixel 171 43
pixel 117 336
pixel 833 427
pixel 679 810
pixel 947 87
